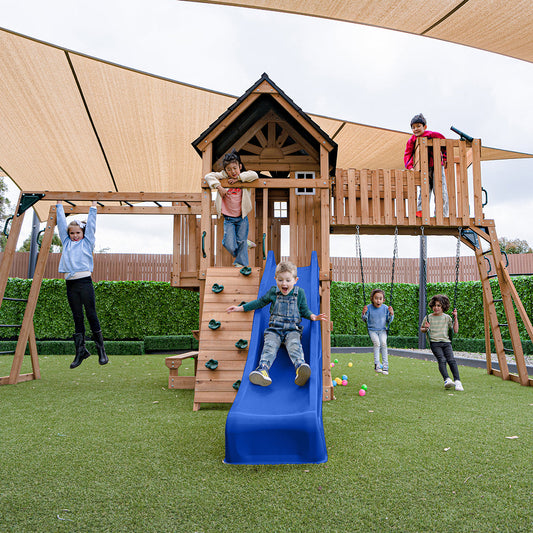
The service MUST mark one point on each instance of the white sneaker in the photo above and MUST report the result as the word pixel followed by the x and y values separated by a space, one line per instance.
pixel 377 368
pixel 448 383
pixel 385 372
pixel 458 386
pixel 251 244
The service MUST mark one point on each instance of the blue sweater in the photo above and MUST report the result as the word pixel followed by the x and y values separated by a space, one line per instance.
pixel 377 318
pixel 76 256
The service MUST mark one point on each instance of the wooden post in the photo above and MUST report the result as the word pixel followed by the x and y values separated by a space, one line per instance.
pixel 376 201
pixel 327 387
pixel 476 176
pixel 463 177
pixel 387 196
pixel 27 322
pixel 437 181
pixel 364 196
pixel 205 236
pixel 265 235
pixel 488 298
pixel 352 202
pixel 450 180
pixel 176 250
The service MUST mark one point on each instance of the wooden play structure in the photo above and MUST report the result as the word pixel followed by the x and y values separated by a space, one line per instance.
pixel 299 187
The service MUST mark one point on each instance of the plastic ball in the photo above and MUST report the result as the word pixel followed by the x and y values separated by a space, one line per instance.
pixel 350 364
pixel 332 365
pixel 362 392
pixel 339 381
pixel 344 377
pixel 364 387
pixel 345 382
pixel 334 383
pixel 335 360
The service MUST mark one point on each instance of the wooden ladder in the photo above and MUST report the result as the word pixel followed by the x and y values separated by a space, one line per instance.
pixel 27 332
pixel 219 385
pixel 509 296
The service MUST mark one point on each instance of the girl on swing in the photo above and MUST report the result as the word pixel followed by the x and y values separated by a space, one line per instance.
pixel 437 325
pixel 378 318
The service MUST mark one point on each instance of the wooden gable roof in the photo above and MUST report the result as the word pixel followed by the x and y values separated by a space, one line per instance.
pixel 270 132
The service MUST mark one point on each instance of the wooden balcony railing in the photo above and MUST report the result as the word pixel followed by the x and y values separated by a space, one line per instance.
pixel 388 197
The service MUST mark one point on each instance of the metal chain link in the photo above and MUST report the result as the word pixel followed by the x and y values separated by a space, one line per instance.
pixel 457 260
pixel 424 261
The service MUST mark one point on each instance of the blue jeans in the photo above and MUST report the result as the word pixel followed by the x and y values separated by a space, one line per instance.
pixel 379 340
pixel 273 340
pixel 284 327
pixel 236 238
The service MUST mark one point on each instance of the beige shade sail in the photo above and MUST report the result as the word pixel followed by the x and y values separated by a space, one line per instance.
pixel 70 122
pixel 503 27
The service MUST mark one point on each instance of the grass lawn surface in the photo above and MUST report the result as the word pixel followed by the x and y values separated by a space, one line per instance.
pixel 111 448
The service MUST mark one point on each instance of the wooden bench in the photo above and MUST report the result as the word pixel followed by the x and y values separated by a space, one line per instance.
pixel 174 362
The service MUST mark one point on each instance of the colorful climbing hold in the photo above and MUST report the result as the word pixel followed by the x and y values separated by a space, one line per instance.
pixel 211 364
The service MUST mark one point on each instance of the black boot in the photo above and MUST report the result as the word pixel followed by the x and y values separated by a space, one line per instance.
pixel 99 341
pixel 81 351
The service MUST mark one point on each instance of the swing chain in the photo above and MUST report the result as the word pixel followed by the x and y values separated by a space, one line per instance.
pixel 394 256
pixel 457 260
pixel 424 261
pixel 358 252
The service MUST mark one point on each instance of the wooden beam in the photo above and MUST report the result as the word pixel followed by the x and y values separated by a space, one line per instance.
pixel 85 196
pixel 27 322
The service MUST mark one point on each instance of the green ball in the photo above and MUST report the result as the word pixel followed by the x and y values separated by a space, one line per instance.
pixel 335 360
pixel 364 387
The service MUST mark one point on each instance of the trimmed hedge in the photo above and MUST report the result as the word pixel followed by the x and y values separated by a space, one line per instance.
pixel 127 310
pixel 162 317
pixel 169 343
pixel 68 348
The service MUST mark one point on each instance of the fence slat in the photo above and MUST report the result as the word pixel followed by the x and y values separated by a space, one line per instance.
pixel 158 267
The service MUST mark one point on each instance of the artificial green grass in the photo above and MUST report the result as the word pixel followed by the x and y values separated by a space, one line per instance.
pixel 113 449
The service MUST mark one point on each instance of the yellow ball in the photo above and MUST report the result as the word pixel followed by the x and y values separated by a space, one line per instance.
pixel 339 381
pixel 350 364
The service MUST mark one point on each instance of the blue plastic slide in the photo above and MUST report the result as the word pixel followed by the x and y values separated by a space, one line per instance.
pixel 281 423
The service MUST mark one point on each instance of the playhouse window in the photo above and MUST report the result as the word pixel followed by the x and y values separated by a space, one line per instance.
pixel 280 209
pixel 305 176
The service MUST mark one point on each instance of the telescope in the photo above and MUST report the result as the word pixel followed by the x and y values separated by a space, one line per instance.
pixel 464 136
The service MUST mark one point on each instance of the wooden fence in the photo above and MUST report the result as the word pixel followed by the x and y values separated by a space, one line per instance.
pixel 157 267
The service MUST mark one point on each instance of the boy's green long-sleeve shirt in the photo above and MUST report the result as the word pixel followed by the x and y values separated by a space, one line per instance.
pixel 270 298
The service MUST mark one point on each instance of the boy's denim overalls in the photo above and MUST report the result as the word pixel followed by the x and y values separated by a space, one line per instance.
pixel 284 327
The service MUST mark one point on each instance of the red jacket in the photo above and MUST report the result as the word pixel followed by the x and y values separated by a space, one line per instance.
pixel 410 149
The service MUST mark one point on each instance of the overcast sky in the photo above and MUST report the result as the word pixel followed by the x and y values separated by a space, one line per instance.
pixel 345 71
